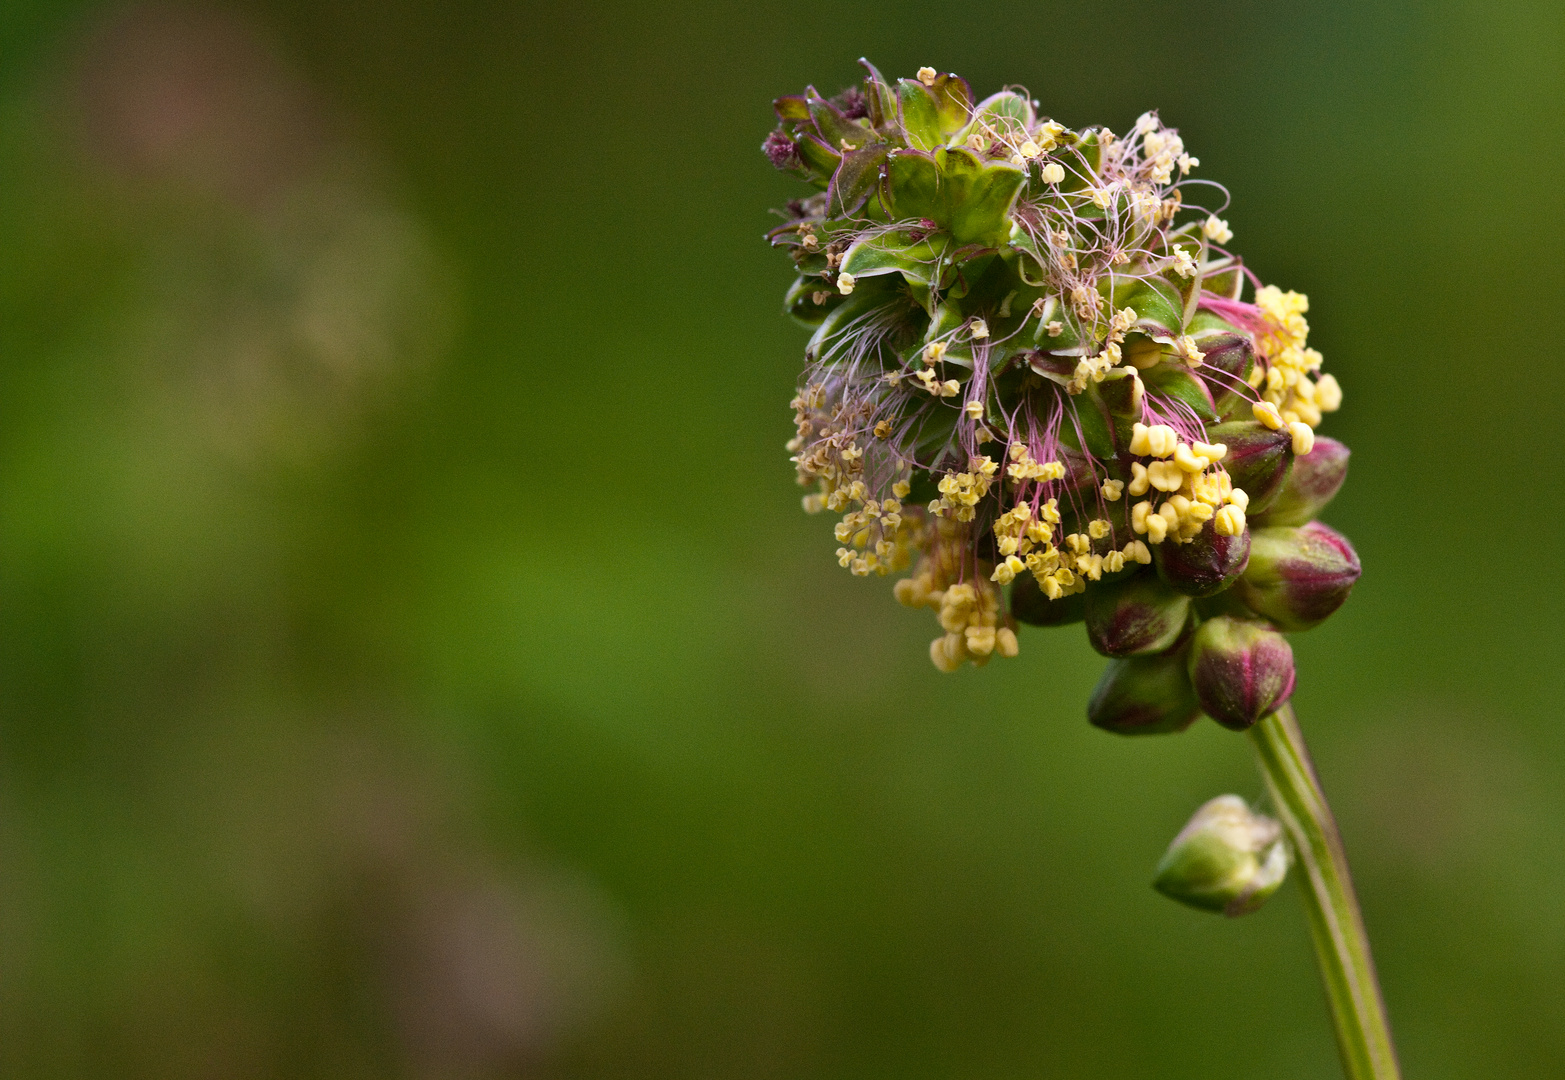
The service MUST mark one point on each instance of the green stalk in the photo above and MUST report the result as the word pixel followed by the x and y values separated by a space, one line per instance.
pixel 1341 946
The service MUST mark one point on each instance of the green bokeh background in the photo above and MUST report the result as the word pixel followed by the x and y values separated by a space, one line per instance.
pixel 490 710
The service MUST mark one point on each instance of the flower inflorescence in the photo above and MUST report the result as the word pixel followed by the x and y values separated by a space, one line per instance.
pixel 1033 365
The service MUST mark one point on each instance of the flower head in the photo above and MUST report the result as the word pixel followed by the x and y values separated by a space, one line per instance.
pixel 1031 374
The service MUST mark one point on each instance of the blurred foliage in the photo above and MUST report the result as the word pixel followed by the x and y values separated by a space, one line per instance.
pixel 413 662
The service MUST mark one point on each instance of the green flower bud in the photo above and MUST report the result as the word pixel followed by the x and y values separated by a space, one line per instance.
pixel 1297 577
pixel 1259 459
pixel 1241 671
pixel 1206 564
pixel 1314 482
pixel 1134 617
pixel 1144 695
pixel 1228 859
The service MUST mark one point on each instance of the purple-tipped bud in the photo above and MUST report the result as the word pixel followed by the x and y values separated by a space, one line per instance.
pixel 1297 577
pixel 1135 617
pixel 1234 357
pixel 1144 695
pixel 1206 565
pixel 1259 459
pixel 1241 671
pixel 1031 606
pixel 1314 482
pixel 781 151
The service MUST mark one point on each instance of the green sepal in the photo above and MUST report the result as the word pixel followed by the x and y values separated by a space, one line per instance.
pixel 893 253
pixel 1159 311
pixel 832 126
pixel 943 322
pixel 876 292
pixel 1174 380
pixel 820 159
pixel 800 301
pixel 920 115
pixel 1205 324
pixel 879 99
pixel 1092 416
pixel 856 179
pixel 991 110
pixel 791 110
pixel 952 187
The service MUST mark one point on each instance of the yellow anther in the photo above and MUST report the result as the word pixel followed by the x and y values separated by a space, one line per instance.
pixel 1190 463
pixel 979 329
pixel 1029 149
pixel 973 410
pixel 1157 528
pixel 1055 329
pixel 978 141
pixel 1138 552
pixel 1240 498
pixel 1114 562
pixel 1022 512
pixel 926 75
pixel 810 241
pixel 1165 476
pixel 1139 514
pixel 1199 512
pixel 1113 489
pixel 1328 393
pixel 1005 642
pixel 1267 414
pixel 882 429
pixel 901 489
pixel 1052 173
pixel 949 388
pixel 1186 348
pixel 1161 441
pixel 1229 521
pixel 1186 163
pixel 845 283
pixel 1213 452
pixel 1184 265
pixel 1097 528
pixel 947 653
pixel 1217 230
pixel 1138 478
pixel 935 352
pixel 1303 437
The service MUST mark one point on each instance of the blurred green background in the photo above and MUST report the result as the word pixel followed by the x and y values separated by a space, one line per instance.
pixel 413 662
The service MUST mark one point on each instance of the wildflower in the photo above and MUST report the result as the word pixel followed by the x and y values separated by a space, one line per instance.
pixel 1103 424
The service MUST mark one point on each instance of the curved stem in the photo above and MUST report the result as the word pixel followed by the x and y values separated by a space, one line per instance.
pixel 1341 946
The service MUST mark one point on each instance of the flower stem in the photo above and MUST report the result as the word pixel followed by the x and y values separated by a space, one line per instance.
pixel 1341 946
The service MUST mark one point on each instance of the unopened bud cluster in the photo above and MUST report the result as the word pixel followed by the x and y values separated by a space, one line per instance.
pixel 1042 385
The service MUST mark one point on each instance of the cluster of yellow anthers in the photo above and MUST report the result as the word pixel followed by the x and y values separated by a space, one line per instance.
pixel 1024 536
pixel 1094 368
pixel 1197 491
pixel 876 537
pixel 961 492
pixel 1286 381
pixel 969 610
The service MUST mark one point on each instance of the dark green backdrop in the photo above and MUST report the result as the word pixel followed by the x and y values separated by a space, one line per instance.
pixel 413 661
